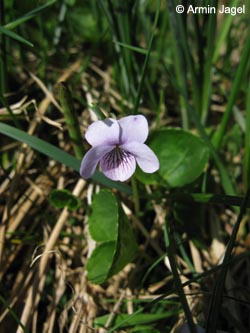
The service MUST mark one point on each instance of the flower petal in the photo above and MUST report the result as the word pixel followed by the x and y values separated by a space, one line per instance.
pixel 91 159
pixel 145 157
pixel 133 128
pixel 103 132
pixel 118 165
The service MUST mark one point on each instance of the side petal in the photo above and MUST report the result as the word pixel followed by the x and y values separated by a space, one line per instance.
pixel 91 159
pixel 103 132
pixel 145 157
pixel 118 167
pixel 133 128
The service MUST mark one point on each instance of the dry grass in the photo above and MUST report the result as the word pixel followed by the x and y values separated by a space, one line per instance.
pixel 43 250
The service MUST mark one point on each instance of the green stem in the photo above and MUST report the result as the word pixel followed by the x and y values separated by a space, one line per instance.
pixel 135 197
pixel 170 244
pixel 246 173
pixel 71 119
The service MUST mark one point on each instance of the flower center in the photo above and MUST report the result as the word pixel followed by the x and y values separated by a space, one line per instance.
pixel 115 157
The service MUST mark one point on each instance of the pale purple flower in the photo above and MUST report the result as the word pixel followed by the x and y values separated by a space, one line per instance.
pixel 118 145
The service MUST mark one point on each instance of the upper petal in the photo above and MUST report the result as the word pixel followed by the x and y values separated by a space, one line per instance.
pixel 145 157
pixel 103 132
pixel 118 165
pixel 91 159
pixel 133 128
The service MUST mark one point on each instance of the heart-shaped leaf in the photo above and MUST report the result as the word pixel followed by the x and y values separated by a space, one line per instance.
pixel 182 155
pixel 103 221
pixel 108 225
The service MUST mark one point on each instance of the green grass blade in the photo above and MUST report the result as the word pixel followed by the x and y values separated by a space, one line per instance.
pixel 216 300
pixel 71 119
pixel 225 178
pixel 246 171
pixel 227 21
pixel 240 74
pixel 3 53
pixel 8 108
pixel 145 64
pixel 181 40
pixel 170 244
pixel 121 30
pixel 230 200
pixel 58 155
pixel 13 35
pixel 181 81
pixel 132 48
pixel 28 15
pixel 13 314
pixel 207 67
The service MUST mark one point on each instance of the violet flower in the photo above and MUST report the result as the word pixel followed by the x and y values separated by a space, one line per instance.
pixel 118 145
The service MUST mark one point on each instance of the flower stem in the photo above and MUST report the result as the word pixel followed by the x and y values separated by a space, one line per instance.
pixel 135 196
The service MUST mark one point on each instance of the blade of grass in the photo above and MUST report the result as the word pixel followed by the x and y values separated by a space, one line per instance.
pixel 181 81
pixel 71 119
pixel 216 300
pixel 58 155
pixel 132 48
pixel 183 49
pixel 222 35
pixel 3 57
pixel 15 36
pixel 123 24
pixel 230 200
pixel 28 16
pixel 239 77
pixel 246 171
pixel 8 108
pixel 184 253
pixel 207 65
pixel 122 32
pixel 225 178
pixel 145 64
pixel 170 245
pixel 193 114
pixel 13 314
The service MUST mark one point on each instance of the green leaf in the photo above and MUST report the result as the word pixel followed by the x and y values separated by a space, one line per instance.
pixel 148 178
pixel 15 36
pixel 132 48
pixel 100 262
pixel 182 156
pixel 58 155
pixel 103 222
pixel 126 246
pixel 28 15
pixel 109 226
pixel 64 198
pixel 126 320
